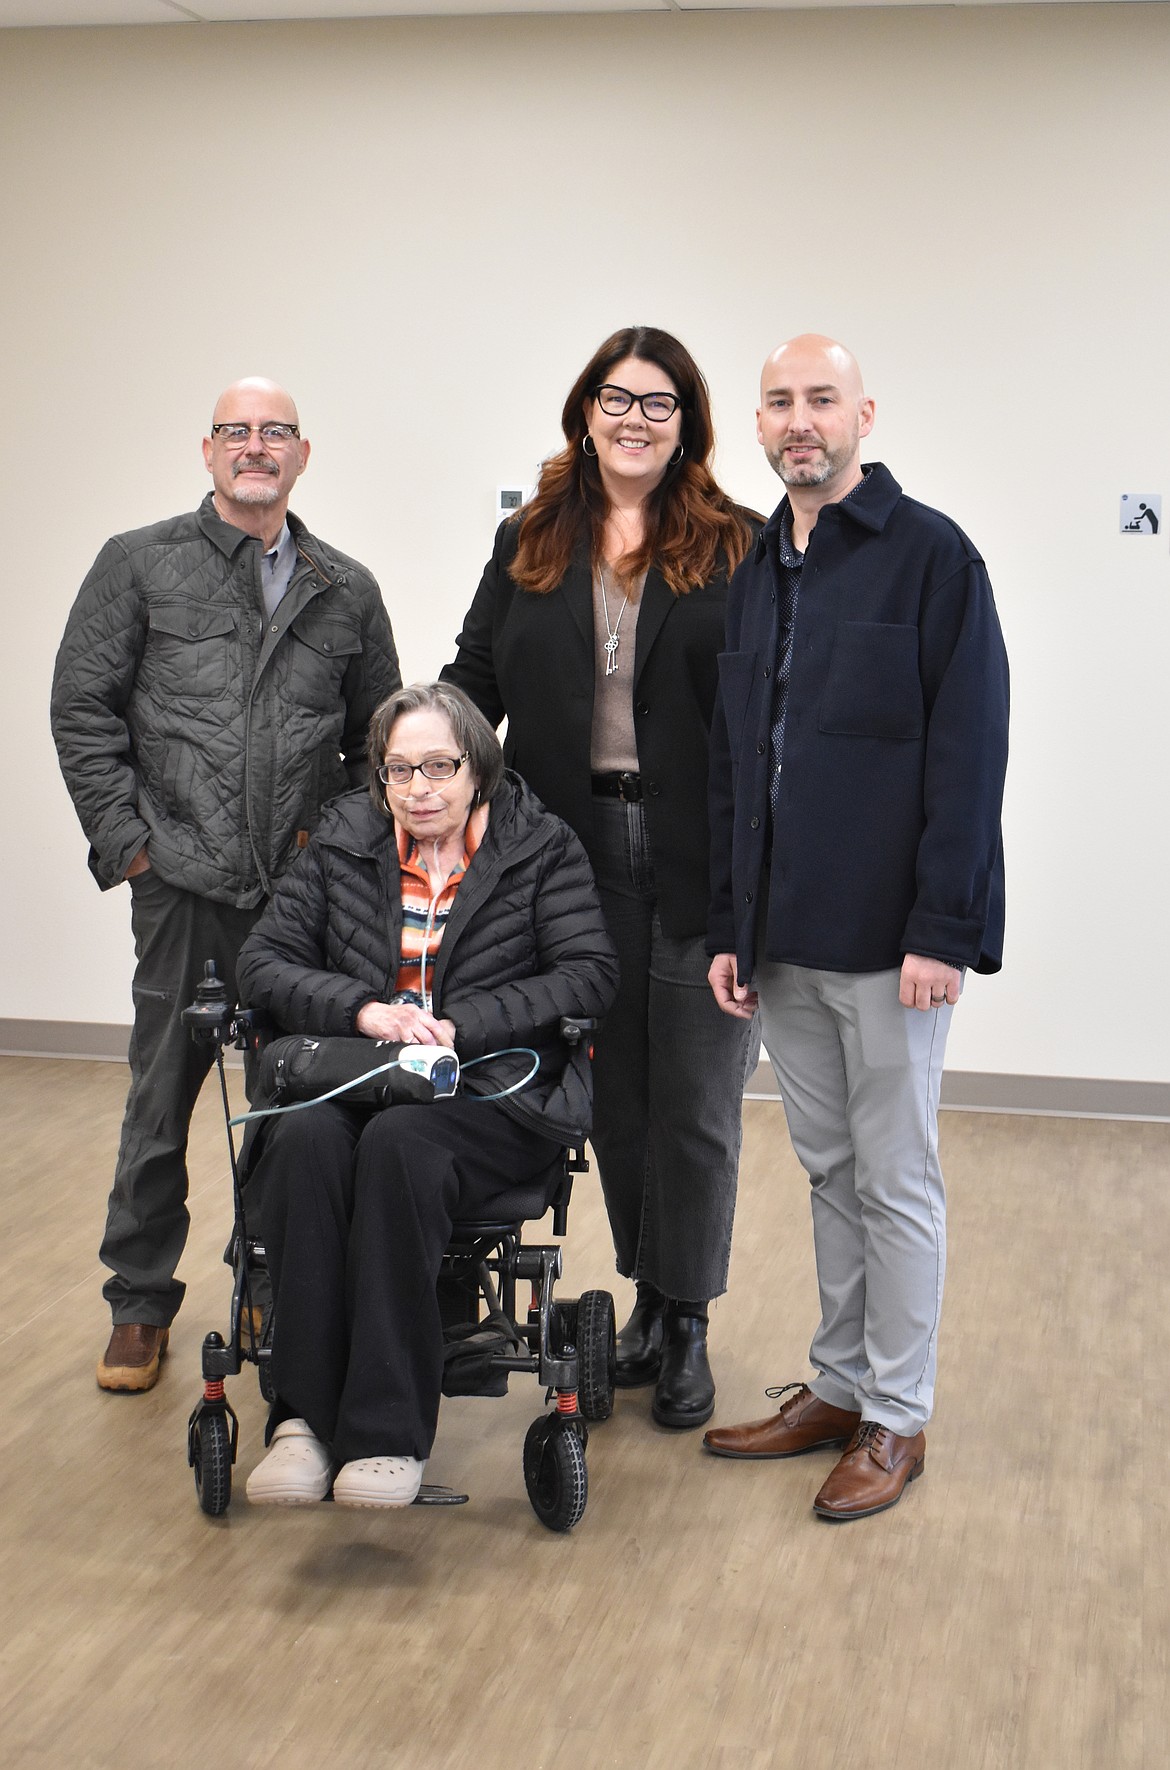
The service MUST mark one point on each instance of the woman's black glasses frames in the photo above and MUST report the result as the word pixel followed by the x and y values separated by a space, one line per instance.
pixel 616 402
pixel 433 768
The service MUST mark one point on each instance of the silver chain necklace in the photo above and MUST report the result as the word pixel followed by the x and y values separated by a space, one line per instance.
pixel 612 642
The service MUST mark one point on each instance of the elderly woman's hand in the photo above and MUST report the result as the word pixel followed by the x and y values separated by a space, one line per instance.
pixel 404 1024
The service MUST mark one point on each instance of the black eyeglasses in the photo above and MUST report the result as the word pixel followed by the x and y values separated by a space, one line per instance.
pixel 434 768
pixel 616 401
pixel 268 433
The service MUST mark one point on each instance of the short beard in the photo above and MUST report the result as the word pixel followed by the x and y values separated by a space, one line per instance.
pixel 251 493
pixel 807 475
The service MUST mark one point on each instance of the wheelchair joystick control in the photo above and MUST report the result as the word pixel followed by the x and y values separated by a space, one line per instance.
pixel 209 1016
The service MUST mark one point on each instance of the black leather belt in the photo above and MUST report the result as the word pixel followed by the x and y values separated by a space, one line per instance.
pixel 619 786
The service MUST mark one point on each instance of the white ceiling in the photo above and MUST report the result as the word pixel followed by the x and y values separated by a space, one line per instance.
pixel 178 12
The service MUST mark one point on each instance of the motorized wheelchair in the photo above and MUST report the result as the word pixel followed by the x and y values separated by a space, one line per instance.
pixel 568 1345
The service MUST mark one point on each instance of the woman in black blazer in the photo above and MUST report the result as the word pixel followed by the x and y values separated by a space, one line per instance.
pixel 595 632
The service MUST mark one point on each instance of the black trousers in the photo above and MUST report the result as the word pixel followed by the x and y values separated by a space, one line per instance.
pixel 669 1071
pixel 357 1211
pixel 175 932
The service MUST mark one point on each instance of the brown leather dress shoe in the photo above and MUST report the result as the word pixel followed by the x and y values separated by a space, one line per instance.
pixel 872 1474
pixel 131 1360
pixel 805 1422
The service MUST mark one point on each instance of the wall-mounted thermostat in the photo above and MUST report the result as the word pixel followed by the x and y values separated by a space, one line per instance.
pixel 509 499
pixel 1141 513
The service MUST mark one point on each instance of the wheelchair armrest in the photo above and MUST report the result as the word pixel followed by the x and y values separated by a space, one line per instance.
pixel 575 1027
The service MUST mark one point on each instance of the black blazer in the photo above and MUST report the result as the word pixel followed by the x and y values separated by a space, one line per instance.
pixel 531 658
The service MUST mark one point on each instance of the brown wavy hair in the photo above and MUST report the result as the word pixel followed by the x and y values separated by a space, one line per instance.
pixel 692 528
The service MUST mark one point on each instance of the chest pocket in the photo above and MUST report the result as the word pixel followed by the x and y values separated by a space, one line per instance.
pixel 873 688
pixel 189 649
pixel 322 648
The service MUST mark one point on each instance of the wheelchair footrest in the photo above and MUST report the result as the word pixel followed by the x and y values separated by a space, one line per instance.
pixel 429 1495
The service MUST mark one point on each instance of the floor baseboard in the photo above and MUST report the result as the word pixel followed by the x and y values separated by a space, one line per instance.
pixel 962 1090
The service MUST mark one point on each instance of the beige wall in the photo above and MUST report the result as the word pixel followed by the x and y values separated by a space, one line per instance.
pixel 423 227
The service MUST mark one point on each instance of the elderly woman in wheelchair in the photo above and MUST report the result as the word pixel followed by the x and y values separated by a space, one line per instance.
pixel 445 909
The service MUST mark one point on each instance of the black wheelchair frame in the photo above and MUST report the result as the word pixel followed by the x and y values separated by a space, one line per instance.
pixel 569 1345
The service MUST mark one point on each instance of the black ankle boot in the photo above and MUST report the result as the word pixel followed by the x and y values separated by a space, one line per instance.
pixel 639 1344
pixel 685 1394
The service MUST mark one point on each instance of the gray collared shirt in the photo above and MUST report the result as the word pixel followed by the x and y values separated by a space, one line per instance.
pixel 276 570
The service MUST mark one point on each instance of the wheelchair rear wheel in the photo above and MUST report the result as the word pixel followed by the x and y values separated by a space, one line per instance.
pixel 211 1458
pixel 555 1473
pixel 596 1354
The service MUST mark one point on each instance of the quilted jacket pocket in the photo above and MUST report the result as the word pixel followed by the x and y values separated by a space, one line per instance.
pixel 188 649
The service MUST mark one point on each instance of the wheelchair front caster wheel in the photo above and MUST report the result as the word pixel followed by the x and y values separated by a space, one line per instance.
pixel 554 1472
pixel 596 1355
pixel 211 1459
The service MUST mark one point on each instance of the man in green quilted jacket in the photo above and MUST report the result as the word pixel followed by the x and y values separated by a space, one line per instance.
pixel 212 691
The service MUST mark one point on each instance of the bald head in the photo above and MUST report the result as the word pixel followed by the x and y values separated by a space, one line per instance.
pixel 812 415
pixel 814 354
pixel 254 473
pixel 276 399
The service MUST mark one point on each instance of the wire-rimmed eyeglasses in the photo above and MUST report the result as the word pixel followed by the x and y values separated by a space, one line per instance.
pixel 432 768
pixel 616 401
pixel 237 434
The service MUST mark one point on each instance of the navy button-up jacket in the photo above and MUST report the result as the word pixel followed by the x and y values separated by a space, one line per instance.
pixel 887 830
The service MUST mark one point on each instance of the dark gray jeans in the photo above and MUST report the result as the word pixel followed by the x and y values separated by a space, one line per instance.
pixel 669 1074
pixel 147 1221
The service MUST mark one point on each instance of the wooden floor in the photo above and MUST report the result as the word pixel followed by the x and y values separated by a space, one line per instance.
pixel 1010 1614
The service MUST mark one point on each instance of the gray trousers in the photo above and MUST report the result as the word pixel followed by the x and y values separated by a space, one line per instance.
pixel 860 1077
pixel 669 1072
pixel 147 1221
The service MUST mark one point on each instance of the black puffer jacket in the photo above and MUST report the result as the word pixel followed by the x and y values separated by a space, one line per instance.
pixel 524 944
pixel 186 720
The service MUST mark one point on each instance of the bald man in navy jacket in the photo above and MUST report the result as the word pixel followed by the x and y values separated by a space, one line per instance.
pixel 857 766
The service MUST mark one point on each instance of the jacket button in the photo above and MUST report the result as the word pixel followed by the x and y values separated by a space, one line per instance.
pixel 759 749
pixel 327 646
pixel 755 823
pixel 653 789
pixel 767 671
pixel 275 627
pixel 747 897
pixel 642 707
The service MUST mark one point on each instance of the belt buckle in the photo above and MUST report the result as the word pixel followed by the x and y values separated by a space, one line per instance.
pixel 626 778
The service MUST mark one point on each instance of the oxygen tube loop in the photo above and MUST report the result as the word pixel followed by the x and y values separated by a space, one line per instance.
pixel 381 1069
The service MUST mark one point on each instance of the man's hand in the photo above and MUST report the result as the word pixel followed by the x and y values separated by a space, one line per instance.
pixel 405 1024
pixel 140 864
pixel 928 983
pixel 732 996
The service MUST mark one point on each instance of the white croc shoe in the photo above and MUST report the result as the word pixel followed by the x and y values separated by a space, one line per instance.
pixel 378 1481
pixel 297 1470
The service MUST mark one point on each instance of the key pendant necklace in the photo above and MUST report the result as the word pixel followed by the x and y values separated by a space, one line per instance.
pixel 612 641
